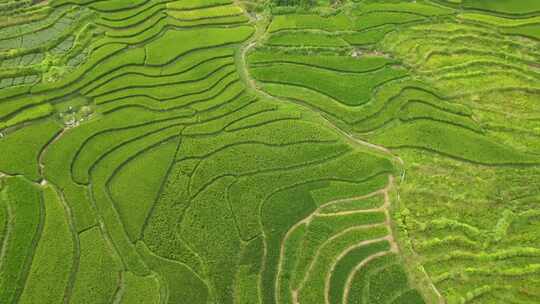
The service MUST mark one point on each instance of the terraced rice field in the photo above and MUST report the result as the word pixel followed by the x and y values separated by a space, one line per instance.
pixel 244 152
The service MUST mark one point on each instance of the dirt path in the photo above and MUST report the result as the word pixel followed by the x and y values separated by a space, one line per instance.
pixel 384 208
pixel 389 238
pixel 307 220
pixel 4 174
pixel 120 290
pixel 261 28
pixel 348 284
pixel 343 254
pixel 69 214
pixel 241 62
pixel 326 242
pixel 394 247
pixel 41 165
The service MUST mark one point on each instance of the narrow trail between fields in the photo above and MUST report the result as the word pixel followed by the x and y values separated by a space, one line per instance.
pixel 261 27
pixel 389 238
pixel 252 85
pixel 41 165
pixel 70 216
pixel 358 267
pixel 307 221
pixel 327 282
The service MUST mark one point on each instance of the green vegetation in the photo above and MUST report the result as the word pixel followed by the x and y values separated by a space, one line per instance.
pixel 500 6
pixel 53 258
pixel 134 197
pixel 181 283
pixel 338 278
pixel 98 271
pixel 23 203
pixel 140 289
pixel 269 152
pixel 449 114
pixel 22 148
pixel 354 88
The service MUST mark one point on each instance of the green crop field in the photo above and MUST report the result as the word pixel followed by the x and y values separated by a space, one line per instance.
pixel 270 151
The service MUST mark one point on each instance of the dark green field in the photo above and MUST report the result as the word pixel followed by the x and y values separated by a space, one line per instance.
pixel 270 151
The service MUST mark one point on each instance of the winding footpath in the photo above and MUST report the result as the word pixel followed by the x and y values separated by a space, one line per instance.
pixel 261 25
